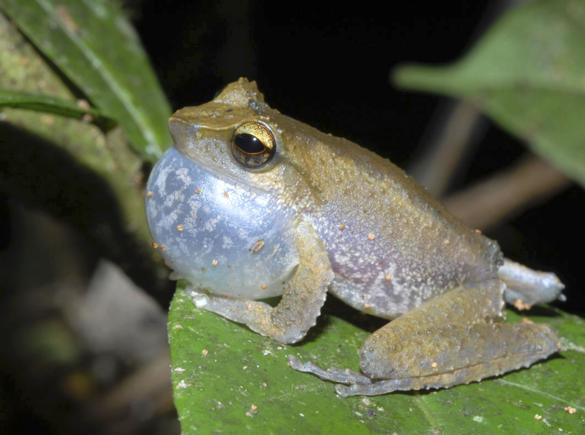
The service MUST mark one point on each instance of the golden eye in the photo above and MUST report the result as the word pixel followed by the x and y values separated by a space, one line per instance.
pixel 253 145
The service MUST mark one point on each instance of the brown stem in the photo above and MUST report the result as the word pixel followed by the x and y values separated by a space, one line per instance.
pixel 445 150
pixel 507 192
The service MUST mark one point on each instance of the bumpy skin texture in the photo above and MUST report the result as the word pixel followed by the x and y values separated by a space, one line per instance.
pixel 327 215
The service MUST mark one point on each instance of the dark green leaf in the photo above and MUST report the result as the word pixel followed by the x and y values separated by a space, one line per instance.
pixel 54 105
pixel 527 74
pixel 95 47
pixel 228 379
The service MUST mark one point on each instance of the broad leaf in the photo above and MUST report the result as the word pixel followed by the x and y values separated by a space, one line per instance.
pixel 527 74
pixel 54 105
pixel 92 43
pixel 227 379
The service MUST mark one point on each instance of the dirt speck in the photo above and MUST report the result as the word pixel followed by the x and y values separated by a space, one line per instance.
pixel 521 305
pixel 83 104
pixel 252 411
pixel 257 246
pixel 570 410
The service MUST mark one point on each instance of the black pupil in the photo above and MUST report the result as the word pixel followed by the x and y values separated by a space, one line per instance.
pixel 249 144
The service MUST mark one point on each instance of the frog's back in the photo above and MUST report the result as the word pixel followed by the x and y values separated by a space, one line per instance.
pixel 390 243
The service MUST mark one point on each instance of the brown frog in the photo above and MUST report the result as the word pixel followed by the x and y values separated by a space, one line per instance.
pixel 250 203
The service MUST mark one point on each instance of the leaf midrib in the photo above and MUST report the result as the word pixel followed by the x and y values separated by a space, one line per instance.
pixel 101 69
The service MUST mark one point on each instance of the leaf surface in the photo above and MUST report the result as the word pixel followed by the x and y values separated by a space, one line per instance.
pixel 229 379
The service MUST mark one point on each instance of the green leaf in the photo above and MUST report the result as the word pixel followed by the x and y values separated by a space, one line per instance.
pixel 227 379
pixel 527 74
pixel 92 43
pixel 54 105
pixel 24 69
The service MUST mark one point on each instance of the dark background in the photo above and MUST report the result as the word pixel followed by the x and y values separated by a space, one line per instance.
pixel 329 64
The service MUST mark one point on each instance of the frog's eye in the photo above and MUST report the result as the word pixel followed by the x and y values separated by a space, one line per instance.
pixel 253 145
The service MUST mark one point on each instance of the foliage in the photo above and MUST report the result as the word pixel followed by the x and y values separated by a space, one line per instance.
pixel 527 74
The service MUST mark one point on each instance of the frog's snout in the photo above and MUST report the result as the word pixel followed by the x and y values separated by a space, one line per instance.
pixel 181 128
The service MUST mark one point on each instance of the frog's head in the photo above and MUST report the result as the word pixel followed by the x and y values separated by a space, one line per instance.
pixel 240 139
pixel 223 201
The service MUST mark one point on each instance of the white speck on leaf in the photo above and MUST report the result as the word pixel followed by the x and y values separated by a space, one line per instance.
pixel 200 301
pixel 182 384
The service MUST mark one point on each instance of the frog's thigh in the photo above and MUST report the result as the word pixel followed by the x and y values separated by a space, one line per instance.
pixel 455 338
pixel 301 302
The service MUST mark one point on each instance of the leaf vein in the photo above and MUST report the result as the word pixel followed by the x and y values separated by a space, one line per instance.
pixel 424 408
pixel 101 69
pixel 542 393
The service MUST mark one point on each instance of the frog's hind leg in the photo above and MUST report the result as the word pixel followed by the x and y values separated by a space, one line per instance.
pixel 527 287
pixel 452 339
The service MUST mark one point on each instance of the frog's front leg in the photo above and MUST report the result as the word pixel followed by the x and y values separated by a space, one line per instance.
pixel 304 295
pixel 452 339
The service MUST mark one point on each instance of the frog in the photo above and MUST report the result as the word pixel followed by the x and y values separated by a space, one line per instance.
pixel 250 204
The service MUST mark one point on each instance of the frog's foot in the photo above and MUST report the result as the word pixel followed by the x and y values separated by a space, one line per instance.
pixel 374 388
pixel 355 384
pixel 526 287
pixel 340 376
pixel 377 388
